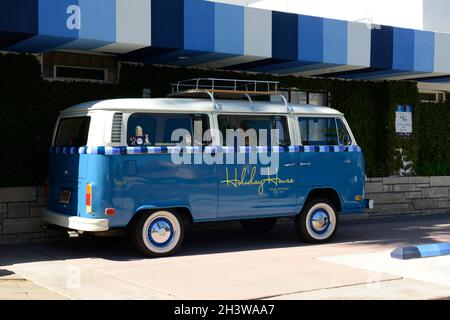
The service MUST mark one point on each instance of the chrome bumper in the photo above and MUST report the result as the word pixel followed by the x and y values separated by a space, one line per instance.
pixel 74 222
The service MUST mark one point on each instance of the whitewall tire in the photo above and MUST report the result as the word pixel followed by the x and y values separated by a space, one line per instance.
pixel 158 233
pixel 318 221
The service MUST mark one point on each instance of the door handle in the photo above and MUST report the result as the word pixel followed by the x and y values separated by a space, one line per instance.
pixel 305 164
pixel 291 164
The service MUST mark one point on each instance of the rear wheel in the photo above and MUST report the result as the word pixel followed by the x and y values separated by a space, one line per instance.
pixel 318 221
pixel 158 233
pixel 259 225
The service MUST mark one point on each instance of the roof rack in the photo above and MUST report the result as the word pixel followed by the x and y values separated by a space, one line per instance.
pixel 228 88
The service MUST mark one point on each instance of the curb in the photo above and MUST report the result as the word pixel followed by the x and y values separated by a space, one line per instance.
pixel 421 251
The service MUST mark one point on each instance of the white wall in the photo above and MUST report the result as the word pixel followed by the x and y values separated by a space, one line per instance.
pixel 436 15
pixel 428 86
pixel 432 15
pixel 400 13
pixel 237 2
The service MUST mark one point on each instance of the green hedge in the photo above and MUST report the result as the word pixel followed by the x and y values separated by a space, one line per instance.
pixel 29 107
pixel 434 139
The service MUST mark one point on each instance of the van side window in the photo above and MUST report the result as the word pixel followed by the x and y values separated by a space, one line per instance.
pixel 156 129
pixel 257 123
pixel 72 132
pixel 318 131
pixel 343 135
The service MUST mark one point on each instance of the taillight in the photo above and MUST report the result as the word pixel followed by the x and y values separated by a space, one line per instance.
pixel 88 198
pixel 110 211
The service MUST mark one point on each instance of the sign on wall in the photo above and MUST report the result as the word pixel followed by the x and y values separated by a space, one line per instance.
pixel 403 120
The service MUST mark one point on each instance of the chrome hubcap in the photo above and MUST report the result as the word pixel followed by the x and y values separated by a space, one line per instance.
pixel 160 232
pixel 320 220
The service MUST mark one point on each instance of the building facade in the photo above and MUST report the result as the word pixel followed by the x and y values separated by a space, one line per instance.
pixel 222 36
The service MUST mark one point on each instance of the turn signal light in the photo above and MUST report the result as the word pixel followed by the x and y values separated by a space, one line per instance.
pixel 88 198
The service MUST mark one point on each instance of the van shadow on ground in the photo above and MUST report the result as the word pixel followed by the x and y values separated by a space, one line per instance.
pixel 227 238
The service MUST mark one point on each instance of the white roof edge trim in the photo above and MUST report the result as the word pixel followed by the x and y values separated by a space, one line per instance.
pixel 195 105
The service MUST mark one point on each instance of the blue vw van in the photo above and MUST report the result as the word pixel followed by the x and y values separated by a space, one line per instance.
pixel 155 166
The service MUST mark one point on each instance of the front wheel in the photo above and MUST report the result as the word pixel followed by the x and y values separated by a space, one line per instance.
pixel 157 234
pixel 317 222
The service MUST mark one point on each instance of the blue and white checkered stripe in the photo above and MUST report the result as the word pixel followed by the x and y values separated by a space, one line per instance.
pixel 110 151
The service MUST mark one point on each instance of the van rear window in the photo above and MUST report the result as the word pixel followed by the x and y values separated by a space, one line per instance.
pixel 72 132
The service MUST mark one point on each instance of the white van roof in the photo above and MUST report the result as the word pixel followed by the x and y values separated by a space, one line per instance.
pixel 197 105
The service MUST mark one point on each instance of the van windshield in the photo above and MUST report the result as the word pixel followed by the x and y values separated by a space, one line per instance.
pixel 72 132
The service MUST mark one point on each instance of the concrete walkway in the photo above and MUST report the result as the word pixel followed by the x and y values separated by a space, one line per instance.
pixel 224 262
pixel 15 287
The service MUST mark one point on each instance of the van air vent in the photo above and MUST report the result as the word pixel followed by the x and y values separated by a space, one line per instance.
pixel 116 134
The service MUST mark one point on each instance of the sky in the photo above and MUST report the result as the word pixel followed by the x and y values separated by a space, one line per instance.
pixel 399 13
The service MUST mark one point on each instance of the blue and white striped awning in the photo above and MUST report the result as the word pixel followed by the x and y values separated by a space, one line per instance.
pixel 207 34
